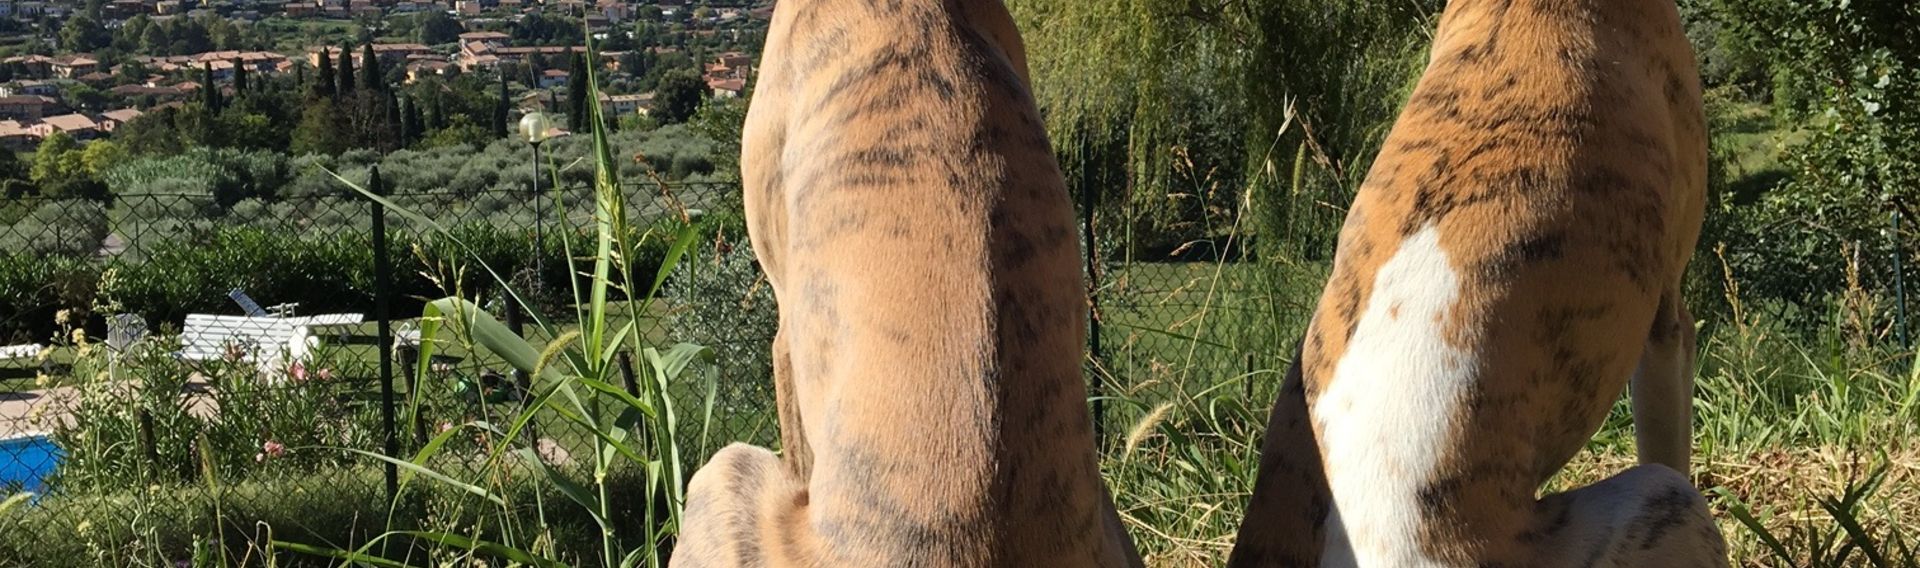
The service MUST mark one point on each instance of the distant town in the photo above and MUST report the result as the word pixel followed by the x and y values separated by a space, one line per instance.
pixel 87 70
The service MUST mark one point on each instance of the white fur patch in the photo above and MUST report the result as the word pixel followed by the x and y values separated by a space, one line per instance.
pixel 1394 397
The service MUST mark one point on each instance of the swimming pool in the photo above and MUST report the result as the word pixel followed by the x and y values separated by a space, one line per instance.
pixel 26 461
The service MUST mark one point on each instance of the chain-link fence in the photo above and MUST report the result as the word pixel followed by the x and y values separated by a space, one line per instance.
pixel 187 361
pixel 179 367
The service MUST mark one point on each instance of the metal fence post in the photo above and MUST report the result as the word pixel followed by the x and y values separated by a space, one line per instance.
pixel 1900 284
pixel 516 323
pixel 1087 204
pixel 382 296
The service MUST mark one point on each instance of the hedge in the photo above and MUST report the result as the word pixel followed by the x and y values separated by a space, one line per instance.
pixel 323 274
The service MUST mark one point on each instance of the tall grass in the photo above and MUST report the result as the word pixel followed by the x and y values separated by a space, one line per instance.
pixel 582 376
pixel 1803 434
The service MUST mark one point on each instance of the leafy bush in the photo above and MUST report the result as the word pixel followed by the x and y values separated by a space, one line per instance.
pixel 34 288
pixel 150 416
pixel 724 303
pixel 193 273
pixel 164 523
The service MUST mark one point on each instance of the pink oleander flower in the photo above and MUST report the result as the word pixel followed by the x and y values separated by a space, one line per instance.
pixel 298 371
pixel 273 449
pixel 323 375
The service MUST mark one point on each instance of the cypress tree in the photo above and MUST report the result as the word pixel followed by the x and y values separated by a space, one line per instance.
pixel 210 90
pixel 239 77
pixel 328 87
pixel 577 82
pixel 395 124
pixel 412 128
pixel 371 77
pixel 436 115
pixel 500 110
pixel 346 71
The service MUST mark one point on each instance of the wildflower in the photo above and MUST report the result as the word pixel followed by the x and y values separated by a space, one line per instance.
pixel 41 380
pixel 298 371
pixel 323 375
pixel 62 317
pixel 445 426
pixel 44 354
pixel 79 336
pixel 84 527
pixel 273 449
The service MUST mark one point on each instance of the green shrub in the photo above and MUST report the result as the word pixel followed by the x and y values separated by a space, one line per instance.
pixel 192 274
pixel 34 288
pixel 161 524
pixel 723 302
pixel 245 420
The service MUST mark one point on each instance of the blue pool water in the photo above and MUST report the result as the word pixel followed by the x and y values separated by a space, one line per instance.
pixel 26 461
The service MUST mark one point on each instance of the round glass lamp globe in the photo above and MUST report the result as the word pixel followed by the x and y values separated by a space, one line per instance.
pixel 535 126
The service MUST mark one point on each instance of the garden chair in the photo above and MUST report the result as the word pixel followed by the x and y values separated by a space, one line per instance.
pixel 271 339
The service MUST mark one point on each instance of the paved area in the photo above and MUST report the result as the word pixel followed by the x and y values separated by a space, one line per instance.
pixel 37 411
pixel 40 411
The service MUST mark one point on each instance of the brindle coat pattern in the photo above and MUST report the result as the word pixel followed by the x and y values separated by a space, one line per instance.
pixel 905 204
pixel 1558 147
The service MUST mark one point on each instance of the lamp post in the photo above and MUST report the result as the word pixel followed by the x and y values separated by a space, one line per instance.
pixel 536 127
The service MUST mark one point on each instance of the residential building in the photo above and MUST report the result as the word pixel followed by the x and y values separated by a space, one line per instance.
pixel 114 118
pixel 544 101
pixel 150 94
pixel 641 104
pixel 553 78
pixel 498 38
pixel 422 68
pixel 26 107
pixel 36 65
pixel 17 137
pixel 76 125
pixel 255 61
pixel 730 65
pixel 29 87
pixel 490 52
pixel 389 53
pixel 726 88
pixel 6 8
pixel 75 66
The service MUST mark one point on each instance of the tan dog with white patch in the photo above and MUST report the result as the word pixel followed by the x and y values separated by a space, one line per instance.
pixel 907 209
pixel 1514 255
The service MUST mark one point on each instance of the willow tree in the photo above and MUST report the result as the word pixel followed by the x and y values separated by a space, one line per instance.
pixel 1324 81
pixel 1102 73
pixel 1200 121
